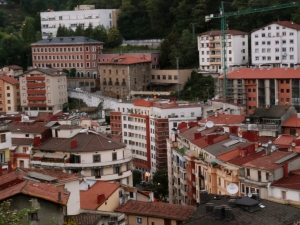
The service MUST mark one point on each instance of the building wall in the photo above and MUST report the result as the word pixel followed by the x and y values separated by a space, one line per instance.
pixel 132 219
pixel 276 51
pixel 284 194
pixel 12 97
pixel 111 203
pixel 73 205
pixel 50 20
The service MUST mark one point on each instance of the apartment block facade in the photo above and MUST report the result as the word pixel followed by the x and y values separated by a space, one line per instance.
pixel 9 94
pixel 83 15
pixel 144 126
pixel 262 87
pixel 276 43
pixel 43 89
pixel 210 49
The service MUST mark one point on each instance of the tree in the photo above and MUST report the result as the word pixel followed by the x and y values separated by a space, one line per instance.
pixel 114 38
pixel 7 216
pixel 166 48
pixel 66 71
pixel 88 31
pixel 28 32
pixel 72 72
pixel 160 184
pixel 11 48
pixel 99 33
pixel 79 31
pixel 3 19
pixel 136 176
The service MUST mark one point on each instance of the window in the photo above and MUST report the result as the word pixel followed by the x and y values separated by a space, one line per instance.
pixel 292 57
pixel 97 158
pixel 139 220
pixel 291 41
pixel 256 50
pixel 114 156
pixel 256 43
pixel 97 173
pixel 8 88
pixel 3 138
pixel 33 216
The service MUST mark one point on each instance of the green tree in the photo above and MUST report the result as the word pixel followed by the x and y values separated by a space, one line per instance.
pixel 166 48
pixel 60 31
pixel 114 38
pixel 160 184
pixel 88 31
pixel 136 176
pixel 7 216
pixel 66 71
pixel 72 72
pixel 3 19
pixel 100 33
pixel 11 48
pixel 28 32
pixel 79 31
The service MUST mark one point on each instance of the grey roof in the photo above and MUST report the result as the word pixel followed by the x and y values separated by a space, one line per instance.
pixel 66 41
pixel 41 176
pixel 218 148
pixel 276 111
pixel 272 214
pixel 259 112
pixel 51 123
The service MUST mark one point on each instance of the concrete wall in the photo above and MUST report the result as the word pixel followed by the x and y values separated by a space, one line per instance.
pixel 73 206
pixel 111 203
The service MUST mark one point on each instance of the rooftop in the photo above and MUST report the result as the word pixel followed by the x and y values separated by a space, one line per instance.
pixel 272 214
pixel 125 60
pixel 290 182
pixel 9 80
pixel 219 33
pixel 89 197
pixel 240 161
pixel 90 142
pixel 66 41
pixel 293 121
pixel 32 128
pixel 84 218
pixel 226 119
pixel 289 24
pixel 48 71
pixel 14 67
pixel 157 209
pixel 268 162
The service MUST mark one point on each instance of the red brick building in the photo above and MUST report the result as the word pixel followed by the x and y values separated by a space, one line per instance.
pixel 70 52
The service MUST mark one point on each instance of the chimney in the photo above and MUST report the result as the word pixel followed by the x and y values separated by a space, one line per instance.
pixel 232 203
pixel 197 135
pixel 228 214
pixel 59 197
pixel 151 195
pixel 74 144
pixel 286 106
pixel 216 114
pixel 9 168
pixel 36 141
pixel 267 151
pixel 218 213
pixel 210 139
pixel 100 198
pixel 209 207
pixel 286 170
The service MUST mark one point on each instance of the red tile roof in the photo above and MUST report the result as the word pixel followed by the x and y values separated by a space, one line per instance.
pixel 240 161
pixel 224 119
pixel 9 79
pixel 14 67
pixel 293 121
pixel 22 141
pixel 125 60
pixel 273 73
pixel 157 209
pixel 12 184
pixel 267 162
pixel 20 127
pixel 218 32
pixel 284 139
pixel 88 198
pixel 290 182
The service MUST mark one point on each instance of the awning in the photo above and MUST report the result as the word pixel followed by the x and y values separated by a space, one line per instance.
pixel 130 189
pixel 12 148
pixel 39 154
pixel 54 156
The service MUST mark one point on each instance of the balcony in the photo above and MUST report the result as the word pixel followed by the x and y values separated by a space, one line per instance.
pixel 215 63
pixel 36 84
pixel 36 98
pixel 126 159
pixel 36 91
pixel 37 104
pixel 269 127
pixel 35 78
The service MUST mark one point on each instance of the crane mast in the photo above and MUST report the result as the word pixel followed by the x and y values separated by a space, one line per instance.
pixel 223 17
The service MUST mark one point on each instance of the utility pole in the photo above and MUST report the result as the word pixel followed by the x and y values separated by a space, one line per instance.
pixel 177 63
pixel 193 28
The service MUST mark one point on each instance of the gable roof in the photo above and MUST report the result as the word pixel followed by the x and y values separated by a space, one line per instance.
pixel 20 127
pixel 293 121
pixel 276 111
pixel 66 41
pixel 289 24
pixel 89 198
pixel 9 79
pixel 85 143
pixel 157 209
pixel 47 70
pixel 218 32
pixel 290 182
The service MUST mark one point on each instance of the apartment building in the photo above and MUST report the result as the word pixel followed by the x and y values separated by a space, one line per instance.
pixel 5 146
pixel 276 44
pixel 123 74
pixel 83 15
pixel 210 49
pixel 84 152
pixel 262 87
pixel 43 89
pixel 9 94
pixel 67 53
pixel 144 125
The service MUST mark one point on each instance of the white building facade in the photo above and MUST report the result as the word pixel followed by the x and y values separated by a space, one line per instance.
pixel 210 49
pixel 50 21
pixel 276 44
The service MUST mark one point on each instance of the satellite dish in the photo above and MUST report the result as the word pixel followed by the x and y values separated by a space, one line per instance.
pixel 249 194
pixel 209 124
pixel 232 188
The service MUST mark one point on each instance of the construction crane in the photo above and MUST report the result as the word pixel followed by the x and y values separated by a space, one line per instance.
pixel 223 16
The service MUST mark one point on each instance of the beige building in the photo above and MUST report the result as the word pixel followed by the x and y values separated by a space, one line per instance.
pixel 9 94
pixel 43 89
pixel 12 71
